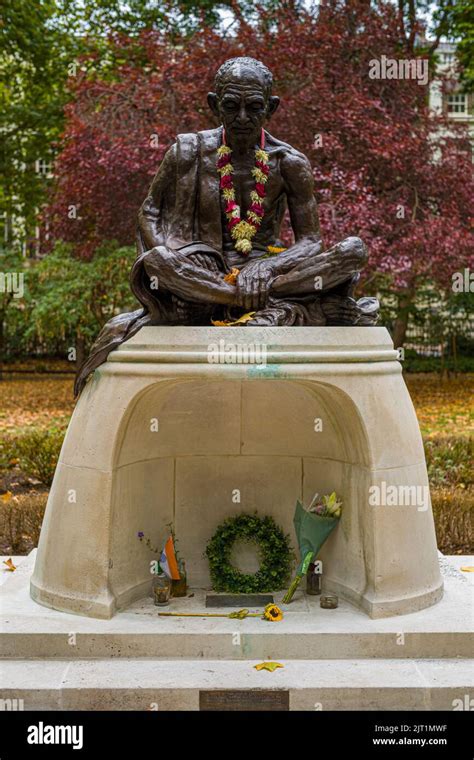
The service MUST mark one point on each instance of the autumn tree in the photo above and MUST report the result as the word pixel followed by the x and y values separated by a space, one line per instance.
pixel 41 46
pixel 385 167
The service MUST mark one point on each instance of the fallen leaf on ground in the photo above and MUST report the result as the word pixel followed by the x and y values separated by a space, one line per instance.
pixel 271 666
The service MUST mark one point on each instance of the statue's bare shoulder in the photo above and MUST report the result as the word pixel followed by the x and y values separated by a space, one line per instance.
pixel 295 167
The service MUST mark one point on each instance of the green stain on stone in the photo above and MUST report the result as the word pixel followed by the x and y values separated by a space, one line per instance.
pixel 264 371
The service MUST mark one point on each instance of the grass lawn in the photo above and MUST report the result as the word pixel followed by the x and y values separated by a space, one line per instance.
pixel 444 408
pixel 36 409
pixel 35 401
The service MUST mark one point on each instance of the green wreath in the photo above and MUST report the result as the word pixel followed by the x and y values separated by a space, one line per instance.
pixel 276 555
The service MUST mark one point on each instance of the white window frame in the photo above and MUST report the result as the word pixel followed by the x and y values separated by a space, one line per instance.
pixel 43 167
pixel 454 100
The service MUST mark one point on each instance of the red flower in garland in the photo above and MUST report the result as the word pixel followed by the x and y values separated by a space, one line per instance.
pixel 226 181
pixel 263 167
pixel 257 208
pixel 223 161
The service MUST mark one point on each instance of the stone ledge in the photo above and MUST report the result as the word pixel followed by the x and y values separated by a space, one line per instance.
pixel 175 685
pixel 306 632
pixel 283 345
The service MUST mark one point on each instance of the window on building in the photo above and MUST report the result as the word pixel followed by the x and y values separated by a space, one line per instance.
pixel 457 103
pixel 43 168
pixel 448 57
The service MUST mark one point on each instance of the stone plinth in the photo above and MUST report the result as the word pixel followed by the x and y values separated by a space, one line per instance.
pixel 137 660
pixel 191 425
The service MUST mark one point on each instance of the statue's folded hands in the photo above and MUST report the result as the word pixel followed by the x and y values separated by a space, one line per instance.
pixel 253 284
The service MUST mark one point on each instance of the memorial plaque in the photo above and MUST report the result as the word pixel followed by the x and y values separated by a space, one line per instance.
pixel 239 601
pixel 251 700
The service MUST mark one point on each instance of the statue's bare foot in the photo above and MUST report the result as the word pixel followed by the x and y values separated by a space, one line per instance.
pixel 285 313
pixel 344 310
pixel 272 316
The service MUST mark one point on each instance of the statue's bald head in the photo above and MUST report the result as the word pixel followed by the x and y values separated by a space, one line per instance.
pixel 246 69
pixel 243 100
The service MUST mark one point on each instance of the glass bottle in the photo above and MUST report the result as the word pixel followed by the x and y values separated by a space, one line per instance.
pixel 161 589
pixel 313 579
pixel 180 588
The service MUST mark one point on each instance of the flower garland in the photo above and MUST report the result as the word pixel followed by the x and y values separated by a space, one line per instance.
pixel 243 230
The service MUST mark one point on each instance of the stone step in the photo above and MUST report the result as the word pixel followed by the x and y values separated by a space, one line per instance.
pixel 154 684
pixel 307 632
pixel 233 640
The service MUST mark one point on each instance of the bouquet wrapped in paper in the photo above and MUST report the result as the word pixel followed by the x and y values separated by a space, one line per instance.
pixel 312 527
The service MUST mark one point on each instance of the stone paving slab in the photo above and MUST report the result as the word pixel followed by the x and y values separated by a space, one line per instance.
pixel 5 573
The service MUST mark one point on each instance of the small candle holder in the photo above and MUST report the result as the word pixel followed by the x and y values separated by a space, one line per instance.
pixel 329 601
pixel 161 589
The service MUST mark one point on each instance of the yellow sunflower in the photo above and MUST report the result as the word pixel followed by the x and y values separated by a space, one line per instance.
pixel 272 613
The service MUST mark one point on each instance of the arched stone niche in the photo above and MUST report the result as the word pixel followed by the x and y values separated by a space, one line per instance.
pixel 162 435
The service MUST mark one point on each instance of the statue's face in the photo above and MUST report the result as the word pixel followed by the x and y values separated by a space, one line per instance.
pixel 243 106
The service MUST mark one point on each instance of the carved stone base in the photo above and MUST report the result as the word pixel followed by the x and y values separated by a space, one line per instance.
pixel 180 426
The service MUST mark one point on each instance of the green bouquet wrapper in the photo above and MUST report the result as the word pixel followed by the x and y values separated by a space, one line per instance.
pixel 311 530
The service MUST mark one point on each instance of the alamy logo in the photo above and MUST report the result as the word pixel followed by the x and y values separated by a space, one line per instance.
pixel 11 705
pixel 399 496
pixel 399 68
pixel 12 282
pixel 467 703
pixel 41 734
pixel 236 353
pixel 463 282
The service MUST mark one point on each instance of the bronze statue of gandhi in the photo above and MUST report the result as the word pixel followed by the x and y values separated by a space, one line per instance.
pixel 209 248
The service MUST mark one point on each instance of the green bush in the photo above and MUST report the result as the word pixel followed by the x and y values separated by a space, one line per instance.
pixel 449 461
pixel 67 301
pixel 38 453
pixel 7 453
pixel 20 522
pixel 413 362
pixel 453 512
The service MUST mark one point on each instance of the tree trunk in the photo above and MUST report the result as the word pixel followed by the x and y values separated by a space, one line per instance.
pixel 80 352
pixel 401 322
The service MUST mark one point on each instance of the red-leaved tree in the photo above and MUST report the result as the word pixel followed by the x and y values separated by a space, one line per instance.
pixel 382 166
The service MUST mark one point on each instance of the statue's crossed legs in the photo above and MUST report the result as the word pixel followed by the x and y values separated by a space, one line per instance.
pixel 316 291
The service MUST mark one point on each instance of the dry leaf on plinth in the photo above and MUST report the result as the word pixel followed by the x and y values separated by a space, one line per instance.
pixel 271 666
pixel 9 563
pixel 240 321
